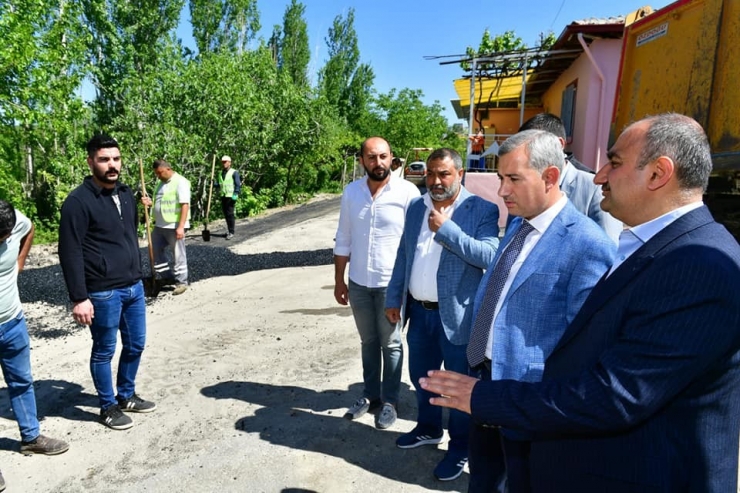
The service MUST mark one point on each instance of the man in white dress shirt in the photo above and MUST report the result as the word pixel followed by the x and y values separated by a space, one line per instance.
pixel 371 223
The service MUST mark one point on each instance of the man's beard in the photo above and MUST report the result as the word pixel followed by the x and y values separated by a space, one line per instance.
pixel 374 177
pixel 103 176
pixel 446 193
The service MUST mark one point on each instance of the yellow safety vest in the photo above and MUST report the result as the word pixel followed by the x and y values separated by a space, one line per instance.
pixel 226 183
pixel 168 204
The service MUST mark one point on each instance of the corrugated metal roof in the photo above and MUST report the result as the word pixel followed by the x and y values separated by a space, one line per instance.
pixel 591 21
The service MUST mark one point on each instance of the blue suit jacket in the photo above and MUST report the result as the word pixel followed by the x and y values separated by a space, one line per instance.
pixel 469 242
pixel 546 294
pixel 642 392
pixel 586 196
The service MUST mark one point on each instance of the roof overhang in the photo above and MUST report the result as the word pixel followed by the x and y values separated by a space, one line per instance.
pixel 502 77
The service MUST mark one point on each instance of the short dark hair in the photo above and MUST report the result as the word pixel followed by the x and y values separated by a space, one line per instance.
pixel 444 153
pixel 547 122
pixel 362 146
pixel 682 139
pixel 100 141
pixel 161 163
pixel 7 218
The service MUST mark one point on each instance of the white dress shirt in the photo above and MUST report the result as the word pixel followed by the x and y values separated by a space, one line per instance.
pixel 631 239
pixel 370 229
pixel 540 224
pixel 423 280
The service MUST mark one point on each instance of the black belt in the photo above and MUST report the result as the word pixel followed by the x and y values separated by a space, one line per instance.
pixel 428 305
pixel 484 369
pixel 487 365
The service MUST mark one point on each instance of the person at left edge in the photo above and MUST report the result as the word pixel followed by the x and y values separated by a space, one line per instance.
pixel 16 237
pixel 450 237
pixel 171 220
pixel 371 218
pixel 99 255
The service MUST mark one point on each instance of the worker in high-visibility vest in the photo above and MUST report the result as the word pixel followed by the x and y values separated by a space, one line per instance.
pixel 229 184
pixel 171 221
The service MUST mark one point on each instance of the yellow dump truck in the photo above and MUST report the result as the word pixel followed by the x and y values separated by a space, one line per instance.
pixel 686 58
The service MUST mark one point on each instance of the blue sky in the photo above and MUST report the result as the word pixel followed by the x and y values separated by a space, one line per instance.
pixel 395 36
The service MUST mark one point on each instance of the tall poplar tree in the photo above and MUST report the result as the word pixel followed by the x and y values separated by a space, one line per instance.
pixel 129 38
pixel 224 24
pixel 345 83
pixel 294 53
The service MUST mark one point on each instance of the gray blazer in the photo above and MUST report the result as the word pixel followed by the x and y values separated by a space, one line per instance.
pixel 585 195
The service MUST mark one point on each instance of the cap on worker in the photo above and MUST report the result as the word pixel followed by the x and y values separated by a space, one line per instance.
pixel 226 158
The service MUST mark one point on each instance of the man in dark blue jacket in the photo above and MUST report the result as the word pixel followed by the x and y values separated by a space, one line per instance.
pixel 99 255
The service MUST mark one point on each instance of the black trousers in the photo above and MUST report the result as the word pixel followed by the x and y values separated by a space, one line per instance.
pixel 227 206
pixel 496 463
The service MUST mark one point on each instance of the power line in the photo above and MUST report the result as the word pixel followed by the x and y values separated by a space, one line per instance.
pixel 557 15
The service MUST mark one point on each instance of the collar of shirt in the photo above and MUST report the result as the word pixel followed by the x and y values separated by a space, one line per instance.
pixel 647 230
pixel 544 219
pixel 631 239
pixel 393 180
pixel 566 165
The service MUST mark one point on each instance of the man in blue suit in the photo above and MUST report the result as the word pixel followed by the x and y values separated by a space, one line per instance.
pixel 450 236
pixel 578 184
pixel 550 258
pixel 642 393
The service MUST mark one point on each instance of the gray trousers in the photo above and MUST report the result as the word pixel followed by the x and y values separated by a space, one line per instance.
pixel 166 246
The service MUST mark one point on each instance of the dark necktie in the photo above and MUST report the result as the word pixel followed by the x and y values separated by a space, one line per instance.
pixel 482 325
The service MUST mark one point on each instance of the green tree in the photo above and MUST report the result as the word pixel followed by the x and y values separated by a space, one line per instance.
pixel 294 53
pixel 501 56
pixel 41 67
pixel 359 94
pixel 224 24
pixel 127 39
pixel 342 81
pixel 506 42
pixel 406 122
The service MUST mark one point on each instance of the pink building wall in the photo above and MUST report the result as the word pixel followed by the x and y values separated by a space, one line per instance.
pixel 590 141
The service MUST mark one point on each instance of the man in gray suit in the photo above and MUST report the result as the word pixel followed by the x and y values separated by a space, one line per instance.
pixel 576 183
pixel 551 257
pixel 450 236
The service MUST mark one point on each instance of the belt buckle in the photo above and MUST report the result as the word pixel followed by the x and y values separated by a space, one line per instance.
pixel 429 305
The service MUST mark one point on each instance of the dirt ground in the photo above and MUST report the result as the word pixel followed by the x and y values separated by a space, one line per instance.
pixel 252 370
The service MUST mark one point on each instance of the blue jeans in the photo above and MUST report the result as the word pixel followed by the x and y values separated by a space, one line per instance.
pixel 428 349
pixel 117 309
pixel 378 337
pixel 15 360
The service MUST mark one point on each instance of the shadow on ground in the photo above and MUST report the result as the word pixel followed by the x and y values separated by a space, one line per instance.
pixel 290 417
pixel 53 398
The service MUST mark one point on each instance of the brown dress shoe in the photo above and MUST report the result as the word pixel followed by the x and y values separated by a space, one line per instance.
pixel 44 445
